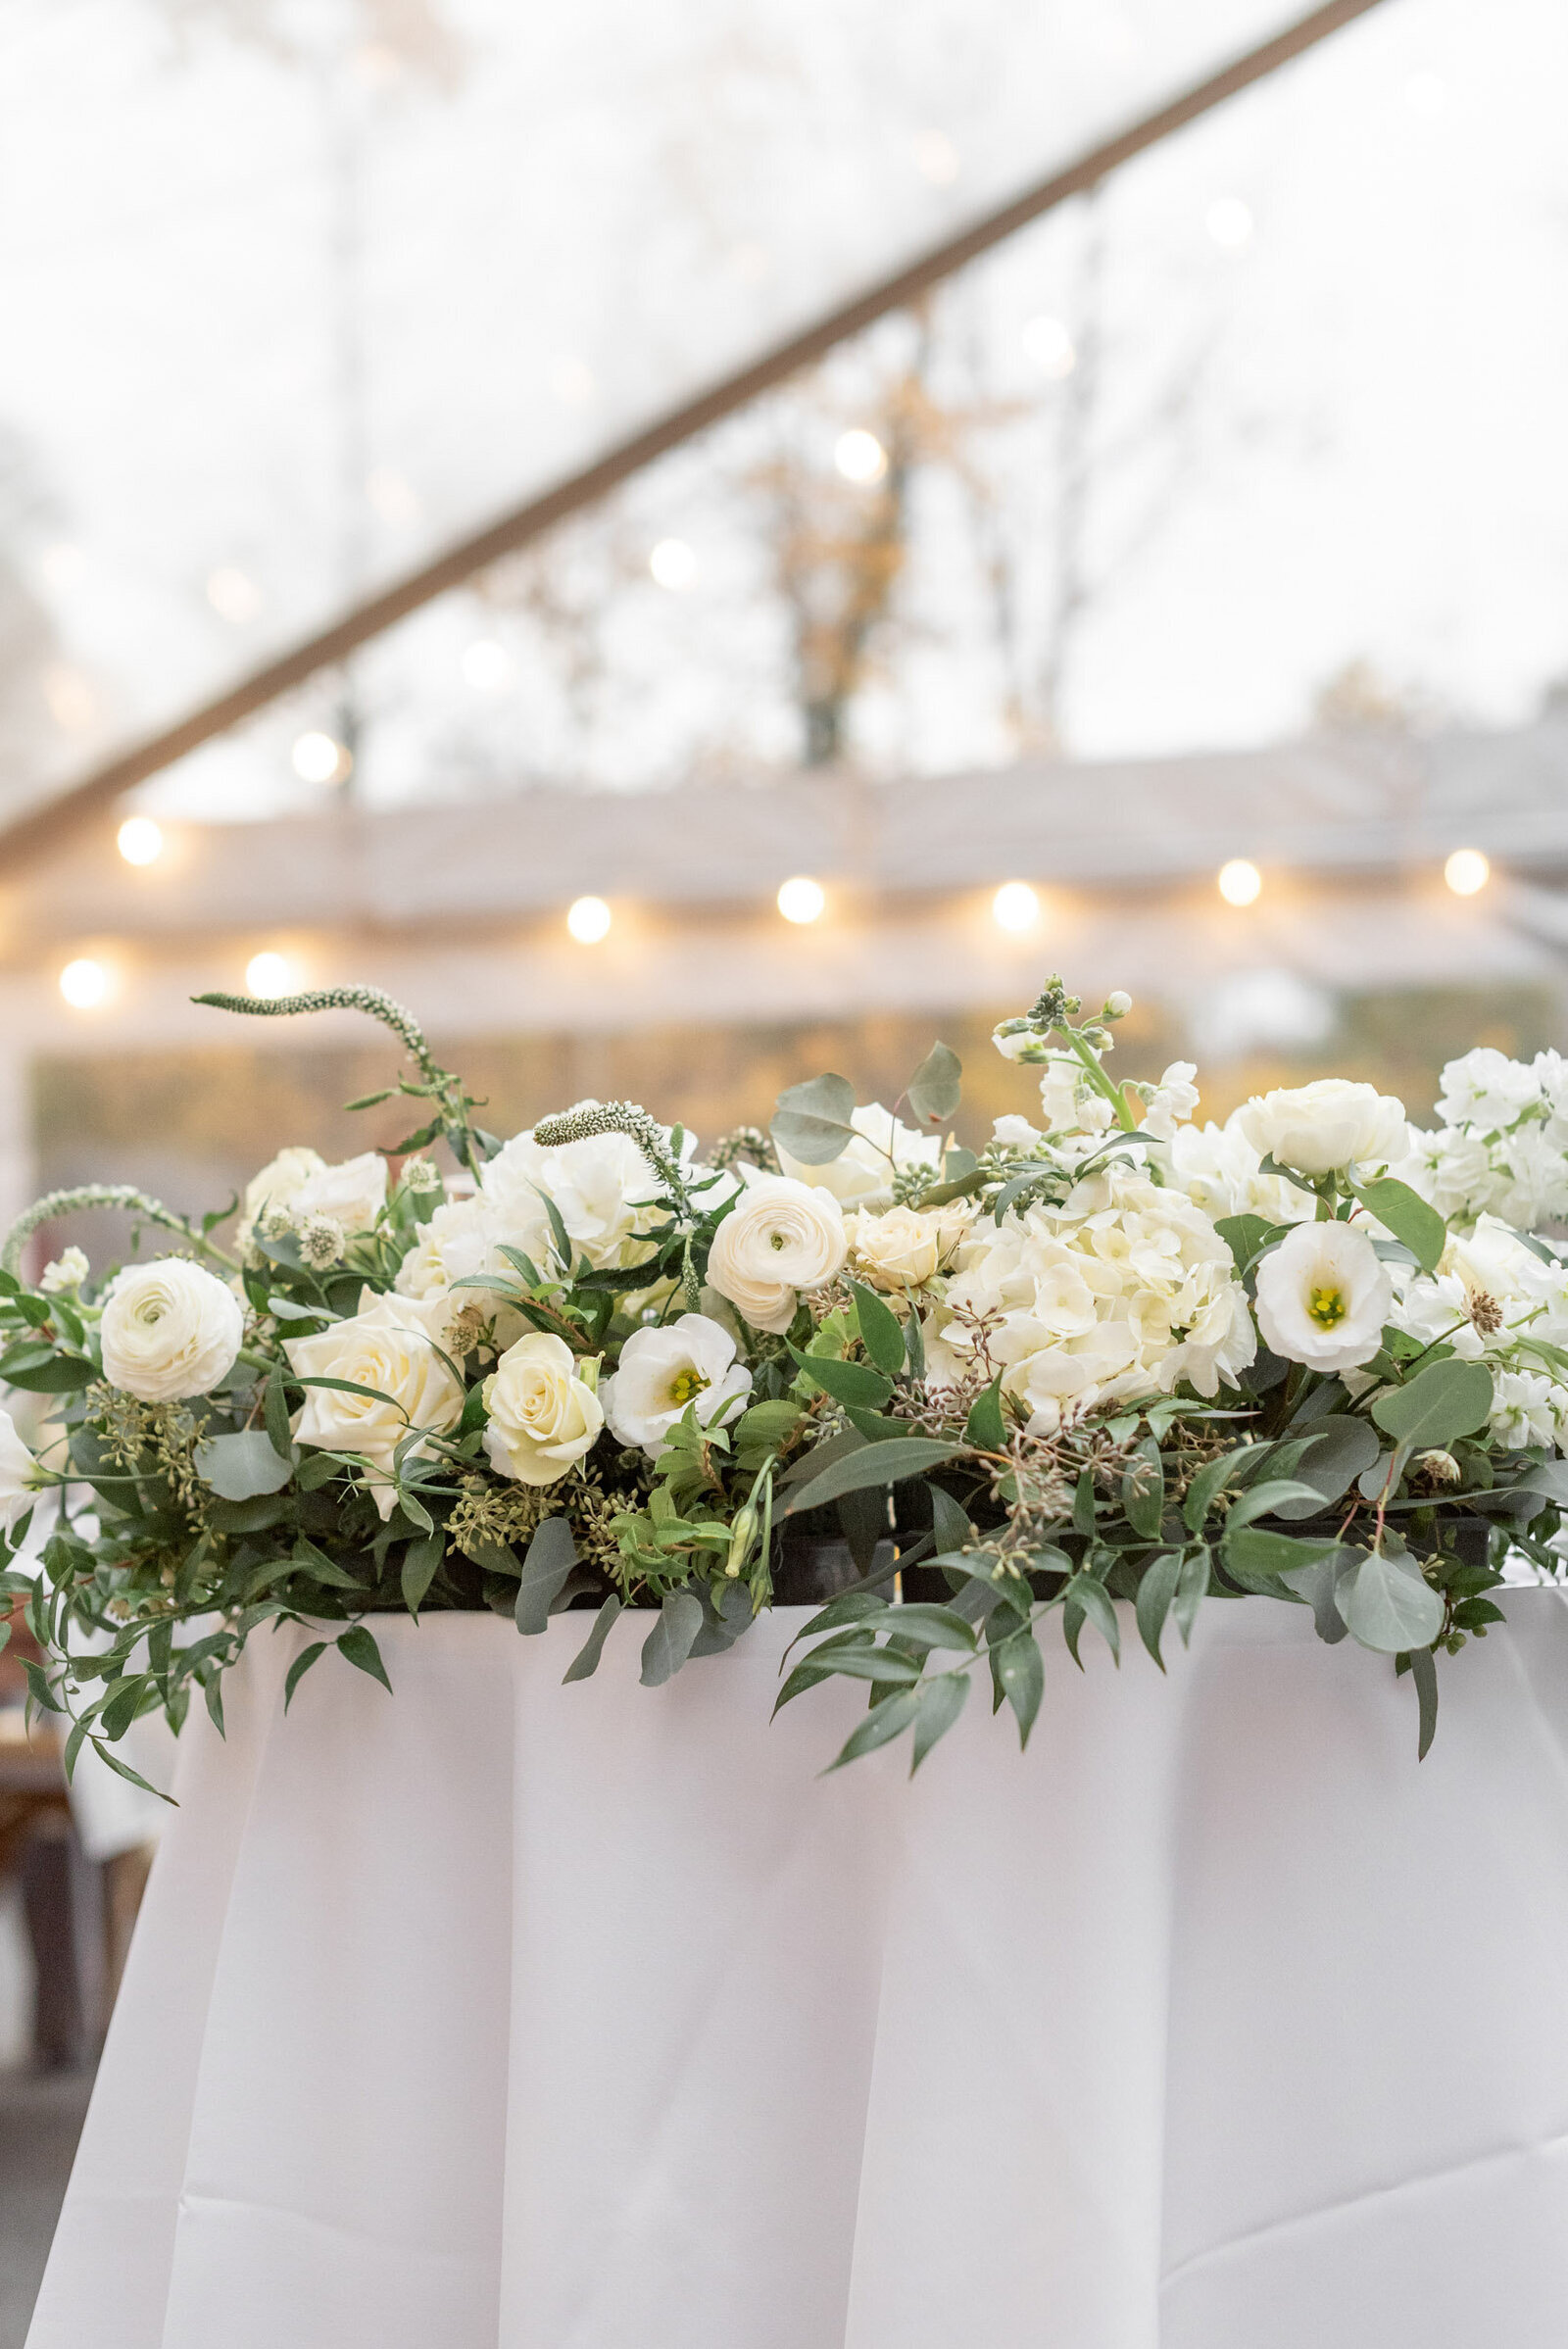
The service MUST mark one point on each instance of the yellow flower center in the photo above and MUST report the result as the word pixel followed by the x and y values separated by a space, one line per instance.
pixel 1326 1308
pixel 685 1385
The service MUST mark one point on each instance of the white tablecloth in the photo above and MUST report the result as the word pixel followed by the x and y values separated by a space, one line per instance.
pixel 502 2015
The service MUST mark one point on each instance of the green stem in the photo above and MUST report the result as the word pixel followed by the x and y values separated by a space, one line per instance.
pixel 1100 1082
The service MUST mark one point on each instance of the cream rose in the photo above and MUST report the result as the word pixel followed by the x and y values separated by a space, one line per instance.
pixel 170 1331
pixel 16 1492
pixel 907 1247
pixel 782 1237
pixel 274 1188
pixel 353 1194
pixel 393 1345
pixel 544 1414
pixel 664 1372
pixel 1323 1296
pixel 1321 1127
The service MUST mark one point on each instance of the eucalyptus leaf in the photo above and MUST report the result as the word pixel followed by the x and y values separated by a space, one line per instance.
pixel 871 1464
pixel 1155 1590
pixel 880 1329
pixel 1408 1217
pixel 239 1467
pixel 1335 1454
pixel 847 1382
pixel 881 1725
pixel 1424 1673
pixel 1018 1674
pixel 934 1091
pixel 1442 1402
pixel 812 1121
pixel 585 1663
pixel 669 1642
pixel 986 1428
pixel 552 1555
pixel 1385 1602
pixel 942 1699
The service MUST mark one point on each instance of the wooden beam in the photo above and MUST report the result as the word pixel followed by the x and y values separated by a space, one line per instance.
pixel 46 824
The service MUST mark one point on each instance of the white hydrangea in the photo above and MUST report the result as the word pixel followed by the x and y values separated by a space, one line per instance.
pixel 1125 1291
pixel 1221 1172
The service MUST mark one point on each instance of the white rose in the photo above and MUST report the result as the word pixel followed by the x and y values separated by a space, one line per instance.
pixel 907 1247
pixel 17 1493
pixel 864 1169
pixel 353 1194
pixel 1323 1296
pixel 170 1331
pixel 543 1414
pixel 279 1181
pixel 662 1372
pixel 66 1272
pixel 393 1343
pixel 1330 1124
pixel 783 1237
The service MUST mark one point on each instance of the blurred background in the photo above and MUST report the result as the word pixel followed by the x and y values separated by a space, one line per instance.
pixel 602 522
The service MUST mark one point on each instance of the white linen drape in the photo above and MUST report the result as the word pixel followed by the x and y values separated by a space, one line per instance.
pixel 502 2015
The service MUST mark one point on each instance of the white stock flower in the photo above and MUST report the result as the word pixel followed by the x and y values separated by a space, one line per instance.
pixel 66 1272
pixel 393 1343
pixel 1015 1133
pixel 1327 1125
pixel 780 1239
pixel 1126 1291
pixel 1323 1296
pixel 544 1415
pixel 1174 1100
pixel 353 1194
pixel 170 1331
pixel 662 1372
pixel 281 1179
pixel 864 1169
pixel 1222 1173
pixel 17 1493
pixel 1069 1103
pixel 908 1246
pixel 603 1188
pixel 1118 1002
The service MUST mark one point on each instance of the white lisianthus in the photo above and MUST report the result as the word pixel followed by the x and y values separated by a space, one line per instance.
pixel 66 1272
pixel 16 1492
pixel 1330 1124
pixel 603 1188
pixel 1323 1296
pixel 393 1345
pixel 779 1240
pixel 275 1188
pixel 863 1170
pixel 352 1193
pixel 544 1411
pixel 1527 1407
pixel 170 1331
pixel 1172 1102
pixel 664 1372
pixel 908 1246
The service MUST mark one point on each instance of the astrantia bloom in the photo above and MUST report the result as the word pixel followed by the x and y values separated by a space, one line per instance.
pixel 1323 1296
pixel 664 1372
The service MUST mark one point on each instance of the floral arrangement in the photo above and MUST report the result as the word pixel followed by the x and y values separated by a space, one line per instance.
pixel 1113 1356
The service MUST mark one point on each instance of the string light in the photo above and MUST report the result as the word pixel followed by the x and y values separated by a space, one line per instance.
pixel 231 595
pixel 1229 222
pixel 1466 872
pixel 1240 882
pixel 860 456
pixel 486 665
pixel 317 759
pixel 139 840
pixel 674 564
pixel 802 899
pixel 1049 344
pixel 269 975
pixel 588 920
pixel 1015 906
pixel 84 984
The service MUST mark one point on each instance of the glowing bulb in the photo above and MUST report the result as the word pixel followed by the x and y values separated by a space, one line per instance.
pixel 1427 93
pixel 859 456
pixel 1229 222
pixel 317 759
pixel 140 841
pixel 588 920
pixel 1015 906
pixel 801 900
pixel 936 158
pixel 674 564
pixel 231 595
pixel 1240 882
pixel 268 976
pixel 84 984
pixel 1466 872
pixel 1049 344
pixel 486 665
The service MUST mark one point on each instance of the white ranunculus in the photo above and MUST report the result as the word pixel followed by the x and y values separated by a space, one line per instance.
pixel 544 1414
pixel 1327 1125
pixel 66 1272
pixel 908 1246
pixel 352 1193
pixel 864 1169
pixel 663 1372
pixel 781 1238
pixel 394 1344
pixel 1323 1296
pixel 16 1492
pixel 603 1188
pixel 279 1181
pixel 170 1331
